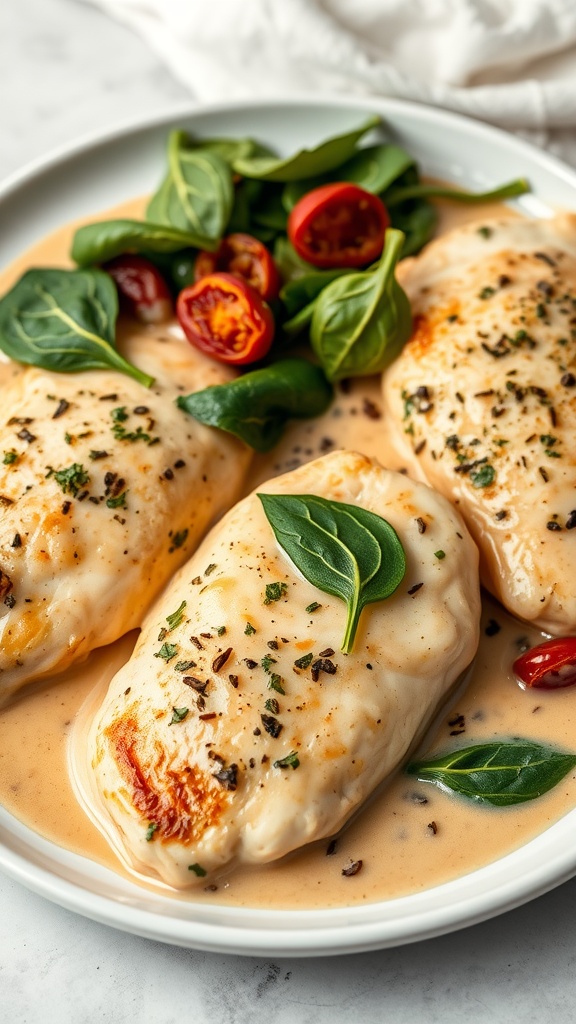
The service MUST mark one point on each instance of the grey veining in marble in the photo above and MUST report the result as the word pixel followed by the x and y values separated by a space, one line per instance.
pixel 66 69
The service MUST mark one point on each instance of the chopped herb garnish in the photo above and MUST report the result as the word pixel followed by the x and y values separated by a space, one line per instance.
pixel 167 652
pixel 118 502
pixel 353 868
pixel 209 569
pixel 175 618
pixel 178 539
pixel 274 592
pixel 97 454
pixel 184 666
pixel 221 659
pixel 485 232
pixel 227 777
pixel 9 458
pixel 275 683
pixel 440 554
pixel 152 828
pixel 178 715
pixel 290 761
pixel 267 661
pixel 119 417
pixel 198 870
pixel 304 661
pixel 249 629
pixel 272 725
pixel 483 477
pixel 70 479
pixel 272 705
pixel 313 607
pixel 221 630
pixel 487 292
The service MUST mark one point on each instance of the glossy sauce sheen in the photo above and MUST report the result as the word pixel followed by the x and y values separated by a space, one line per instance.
pixel 410 836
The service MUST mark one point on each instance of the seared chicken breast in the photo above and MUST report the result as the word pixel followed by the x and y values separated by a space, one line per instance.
pixel 483 399
pixel 238 731
pixel 106 487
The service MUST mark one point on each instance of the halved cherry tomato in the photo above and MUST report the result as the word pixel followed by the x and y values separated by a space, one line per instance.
pixel 338 225
pixel 245 257
pixel 225 317
pixel 143 290
pixel 549 665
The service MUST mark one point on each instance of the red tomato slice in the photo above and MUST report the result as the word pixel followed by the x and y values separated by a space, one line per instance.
pixel 246 258
pixel 143 291
pixel 549 665
pixel 226 318
pixel 338 225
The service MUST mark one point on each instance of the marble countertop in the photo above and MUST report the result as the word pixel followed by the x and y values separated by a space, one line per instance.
pixel 66 70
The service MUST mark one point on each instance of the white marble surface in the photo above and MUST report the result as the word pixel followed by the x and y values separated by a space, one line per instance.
pixel 66 69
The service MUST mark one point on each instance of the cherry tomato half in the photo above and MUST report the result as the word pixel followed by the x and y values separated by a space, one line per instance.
pixel 548 665
pixel 338 225
pixel 245 257
pixel 143 291
pixel 225 317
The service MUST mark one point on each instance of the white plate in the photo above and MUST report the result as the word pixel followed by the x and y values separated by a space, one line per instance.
pixel 99 173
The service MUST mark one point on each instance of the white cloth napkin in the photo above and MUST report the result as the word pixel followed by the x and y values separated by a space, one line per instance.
pixel 509 62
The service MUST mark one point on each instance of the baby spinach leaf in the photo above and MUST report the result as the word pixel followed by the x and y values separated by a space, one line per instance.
pixel 306 163
pixel 102 241
pixel 417 219
pixel 268 211
pixel 373 168
pixel 362 320
pixel 298 293
pixel 497 773
pixel 256 406
pixel 197 194
pixel 230 149
pixel 422 191
pixel 64 320
pixel 289 263
pixel 299 297
pixel 341 549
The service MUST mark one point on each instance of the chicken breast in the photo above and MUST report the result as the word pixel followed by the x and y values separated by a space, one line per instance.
pixel 106 488
pixel 238 731
pixel 483 401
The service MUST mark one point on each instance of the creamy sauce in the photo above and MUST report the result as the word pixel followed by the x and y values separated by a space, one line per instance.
pixel 410 836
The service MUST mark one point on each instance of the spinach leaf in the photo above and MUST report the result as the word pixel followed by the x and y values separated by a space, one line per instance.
pixel 306 163
pixel 289 263
pixel 373 168
pixel 268 211
pixel 197 194
pixel 362 320
pixel 64 320
pixel 256 406
pixel 422 191
pixel 299 297
pixel 497 773
pixel 246 195
pixel 417 220
pixel 230 149
pixel 97 243
pixel 298 293
pixel 341 549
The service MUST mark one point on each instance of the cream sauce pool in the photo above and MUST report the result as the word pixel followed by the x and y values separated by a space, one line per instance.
pixel 410 836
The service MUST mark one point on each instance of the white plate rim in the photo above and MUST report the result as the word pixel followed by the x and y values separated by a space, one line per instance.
pixel 551 857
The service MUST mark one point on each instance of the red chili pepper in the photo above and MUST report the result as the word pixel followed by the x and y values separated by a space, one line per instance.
pixel 225 317
pixel 338 225
pixel 143 291
pixel 549 665
pixel 246 258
